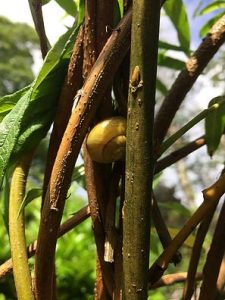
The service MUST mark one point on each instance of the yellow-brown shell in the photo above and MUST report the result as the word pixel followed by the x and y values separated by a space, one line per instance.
pixel 106 142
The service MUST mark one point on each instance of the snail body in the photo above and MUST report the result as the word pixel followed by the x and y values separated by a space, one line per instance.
pixel 106 142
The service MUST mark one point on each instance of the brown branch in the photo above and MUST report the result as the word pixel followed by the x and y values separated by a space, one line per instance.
pixel 171 279
pixel 96 197
pixel 68 225
pixel 97 175
pixel 90 54
pixel 72 83
pixel 36 12
pixel 211 198
pixel 214 259
pixel 194 67
pixel 93 91
pixel 221 278
pixel 179 154
pixel 195 256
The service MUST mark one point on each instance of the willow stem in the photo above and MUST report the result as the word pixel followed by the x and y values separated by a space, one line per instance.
pixel 21 270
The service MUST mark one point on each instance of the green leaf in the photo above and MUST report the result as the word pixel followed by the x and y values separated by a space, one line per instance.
pixel 116 14
pixel 9 101
pixel 161 86
pixel 69 6
pixel 212 6
pixel 29 120
pixel 80 4
pixel 10 129
pixel 170 62
pixel 208 25
pixel 168 46
pixel 120 2
pixel 45 2
pixel 176 11
pixel 30 196
pixel 215 124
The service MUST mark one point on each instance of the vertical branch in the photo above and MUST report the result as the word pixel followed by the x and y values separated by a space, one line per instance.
pixel 139 150
pixel 21 270
pixel 36 12
pixel 214 259
pixel 98 16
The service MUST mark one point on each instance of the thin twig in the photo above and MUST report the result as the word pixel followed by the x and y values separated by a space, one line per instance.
pixel 162 230
pixel 171 279
pixel 36 12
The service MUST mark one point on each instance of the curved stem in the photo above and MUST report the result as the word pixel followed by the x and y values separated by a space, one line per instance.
pixel 21 270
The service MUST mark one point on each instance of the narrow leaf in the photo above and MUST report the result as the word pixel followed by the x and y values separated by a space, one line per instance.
pixel 212 6
pixel 176 11
pixel 168 46
pixel 170 62
pixel 30 196
pixel 205 29
pixel 161 86
pixel 215 124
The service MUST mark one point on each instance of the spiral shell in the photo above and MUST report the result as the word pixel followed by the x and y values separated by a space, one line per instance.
pixel 106 142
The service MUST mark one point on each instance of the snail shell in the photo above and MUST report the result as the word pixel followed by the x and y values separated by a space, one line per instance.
pixel 106 142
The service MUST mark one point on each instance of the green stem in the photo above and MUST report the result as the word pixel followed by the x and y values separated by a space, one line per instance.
pixel 139 149
pixel 21 270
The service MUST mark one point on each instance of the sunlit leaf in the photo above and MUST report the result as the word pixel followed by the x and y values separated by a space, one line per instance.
pixel 212 6
pixel 205 29
pixel 69 6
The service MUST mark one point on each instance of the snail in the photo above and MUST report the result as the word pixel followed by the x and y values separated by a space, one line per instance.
pixel 106 142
